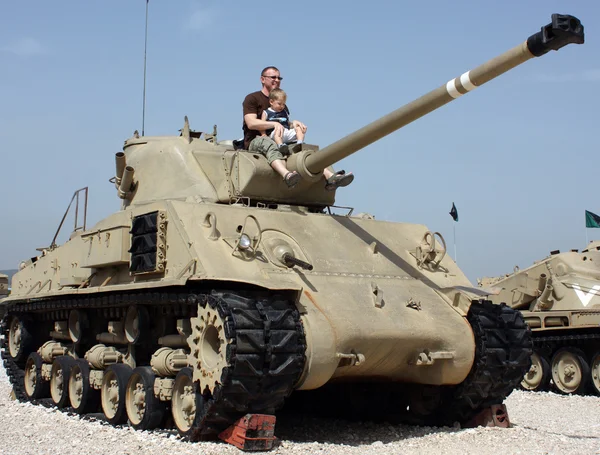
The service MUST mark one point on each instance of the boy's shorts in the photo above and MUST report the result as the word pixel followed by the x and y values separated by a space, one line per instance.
pixel 288 136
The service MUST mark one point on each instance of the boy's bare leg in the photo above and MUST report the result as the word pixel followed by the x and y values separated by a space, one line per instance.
pixel 327 173
pixel 279 167
pixel 299 134
pixel 278 138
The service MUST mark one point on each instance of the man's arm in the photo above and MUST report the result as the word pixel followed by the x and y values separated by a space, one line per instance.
pixel 254 123
pixel 263 117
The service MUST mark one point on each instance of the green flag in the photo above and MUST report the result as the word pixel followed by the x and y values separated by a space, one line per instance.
pixel 592 220
pixel 454 213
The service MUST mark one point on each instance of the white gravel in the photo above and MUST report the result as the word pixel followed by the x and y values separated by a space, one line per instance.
pixel 543 423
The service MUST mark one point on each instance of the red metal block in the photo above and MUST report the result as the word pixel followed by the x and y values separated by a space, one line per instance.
pixel 253 432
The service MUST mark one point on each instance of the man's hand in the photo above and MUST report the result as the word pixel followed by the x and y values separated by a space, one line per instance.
pixel 277 128
pixel 299 124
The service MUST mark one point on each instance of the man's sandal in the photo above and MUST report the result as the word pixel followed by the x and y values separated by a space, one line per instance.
pixel 292 179
pixel 338 179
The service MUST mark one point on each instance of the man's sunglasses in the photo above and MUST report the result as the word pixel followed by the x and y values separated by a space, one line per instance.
pixel 275 77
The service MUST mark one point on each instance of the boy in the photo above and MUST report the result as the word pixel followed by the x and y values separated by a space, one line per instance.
pixel 278 112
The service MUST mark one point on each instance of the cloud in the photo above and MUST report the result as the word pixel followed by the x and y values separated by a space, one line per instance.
pixel 592 75
pixel 199 19
pixel 25 47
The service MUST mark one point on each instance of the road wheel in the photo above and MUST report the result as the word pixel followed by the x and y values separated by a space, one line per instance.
pixel 83 397
pixel 186 404
pixel 20 340
pixel 595 373
pixel 538 376
pixel 145 411
pixel 59 380
pixel 114 387
pixel 570 371
pixel 35 386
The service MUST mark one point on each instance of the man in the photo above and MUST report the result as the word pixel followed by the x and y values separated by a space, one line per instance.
pixel 254 104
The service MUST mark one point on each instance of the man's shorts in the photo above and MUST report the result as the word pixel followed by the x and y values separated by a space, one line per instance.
pixel 267 147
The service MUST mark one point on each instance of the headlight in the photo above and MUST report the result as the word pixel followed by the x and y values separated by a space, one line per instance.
pixel 245 242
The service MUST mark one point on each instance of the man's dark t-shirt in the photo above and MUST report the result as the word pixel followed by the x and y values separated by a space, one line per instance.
pixel 254 103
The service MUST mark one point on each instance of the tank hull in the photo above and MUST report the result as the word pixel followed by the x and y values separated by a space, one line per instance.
pixel 340 312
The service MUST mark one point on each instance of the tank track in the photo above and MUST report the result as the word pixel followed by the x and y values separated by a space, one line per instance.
pixel 502 357
pixel 266 358
pixel 587 342
pixel 266 353
pixel 539 341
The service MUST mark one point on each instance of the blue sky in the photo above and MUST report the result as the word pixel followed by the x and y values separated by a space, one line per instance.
pixel 517 156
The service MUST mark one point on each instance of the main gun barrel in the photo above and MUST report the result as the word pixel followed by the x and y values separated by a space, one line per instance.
pixel 561 31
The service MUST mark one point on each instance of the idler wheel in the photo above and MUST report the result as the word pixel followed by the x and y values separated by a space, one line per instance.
pixel 35 386
pixel 538 376
pixel 570 371
pixel 59 380
pixel 20 340
pixel 595 373
pixel 145 411
pixel 83 397
pixel 208 346
pixel 186 404
pixel 114 386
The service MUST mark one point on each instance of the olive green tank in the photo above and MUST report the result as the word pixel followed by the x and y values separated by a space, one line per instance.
pixel 559 299
pixel 216 291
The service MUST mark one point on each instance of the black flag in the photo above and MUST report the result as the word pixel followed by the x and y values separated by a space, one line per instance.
pixel 454 213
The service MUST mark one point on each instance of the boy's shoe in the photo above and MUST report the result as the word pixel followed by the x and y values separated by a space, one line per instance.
pixel 296 148
pixel 338 179
pixel 292 179
pixel 284 150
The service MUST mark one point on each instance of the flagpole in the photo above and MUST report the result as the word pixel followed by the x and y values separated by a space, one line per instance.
pixel 586 238
pixel 455 257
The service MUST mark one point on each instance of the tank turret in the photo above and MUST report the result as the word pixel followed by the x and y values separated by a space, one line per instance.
pixel 199 168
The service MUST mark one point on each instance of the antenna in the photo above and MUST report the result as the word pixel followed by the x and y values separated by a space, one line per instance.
pixel 145 47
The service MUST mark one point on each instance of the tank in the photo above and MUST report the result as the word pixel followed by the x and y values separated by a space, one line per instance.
pixel 216 291
pixel 3 285
pixel 558 297
pixel 3 291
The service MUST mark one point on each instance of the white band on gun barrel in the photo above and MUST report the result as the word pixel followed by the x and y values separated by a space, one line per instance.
pixel 465 82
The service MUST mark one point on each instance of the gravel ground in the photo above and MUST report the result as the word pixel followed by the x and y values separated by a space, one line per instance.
pixel 542 423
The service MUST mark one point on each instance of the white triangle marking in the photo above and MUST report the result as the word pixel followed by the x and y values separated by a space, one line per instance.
pixel 586 297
